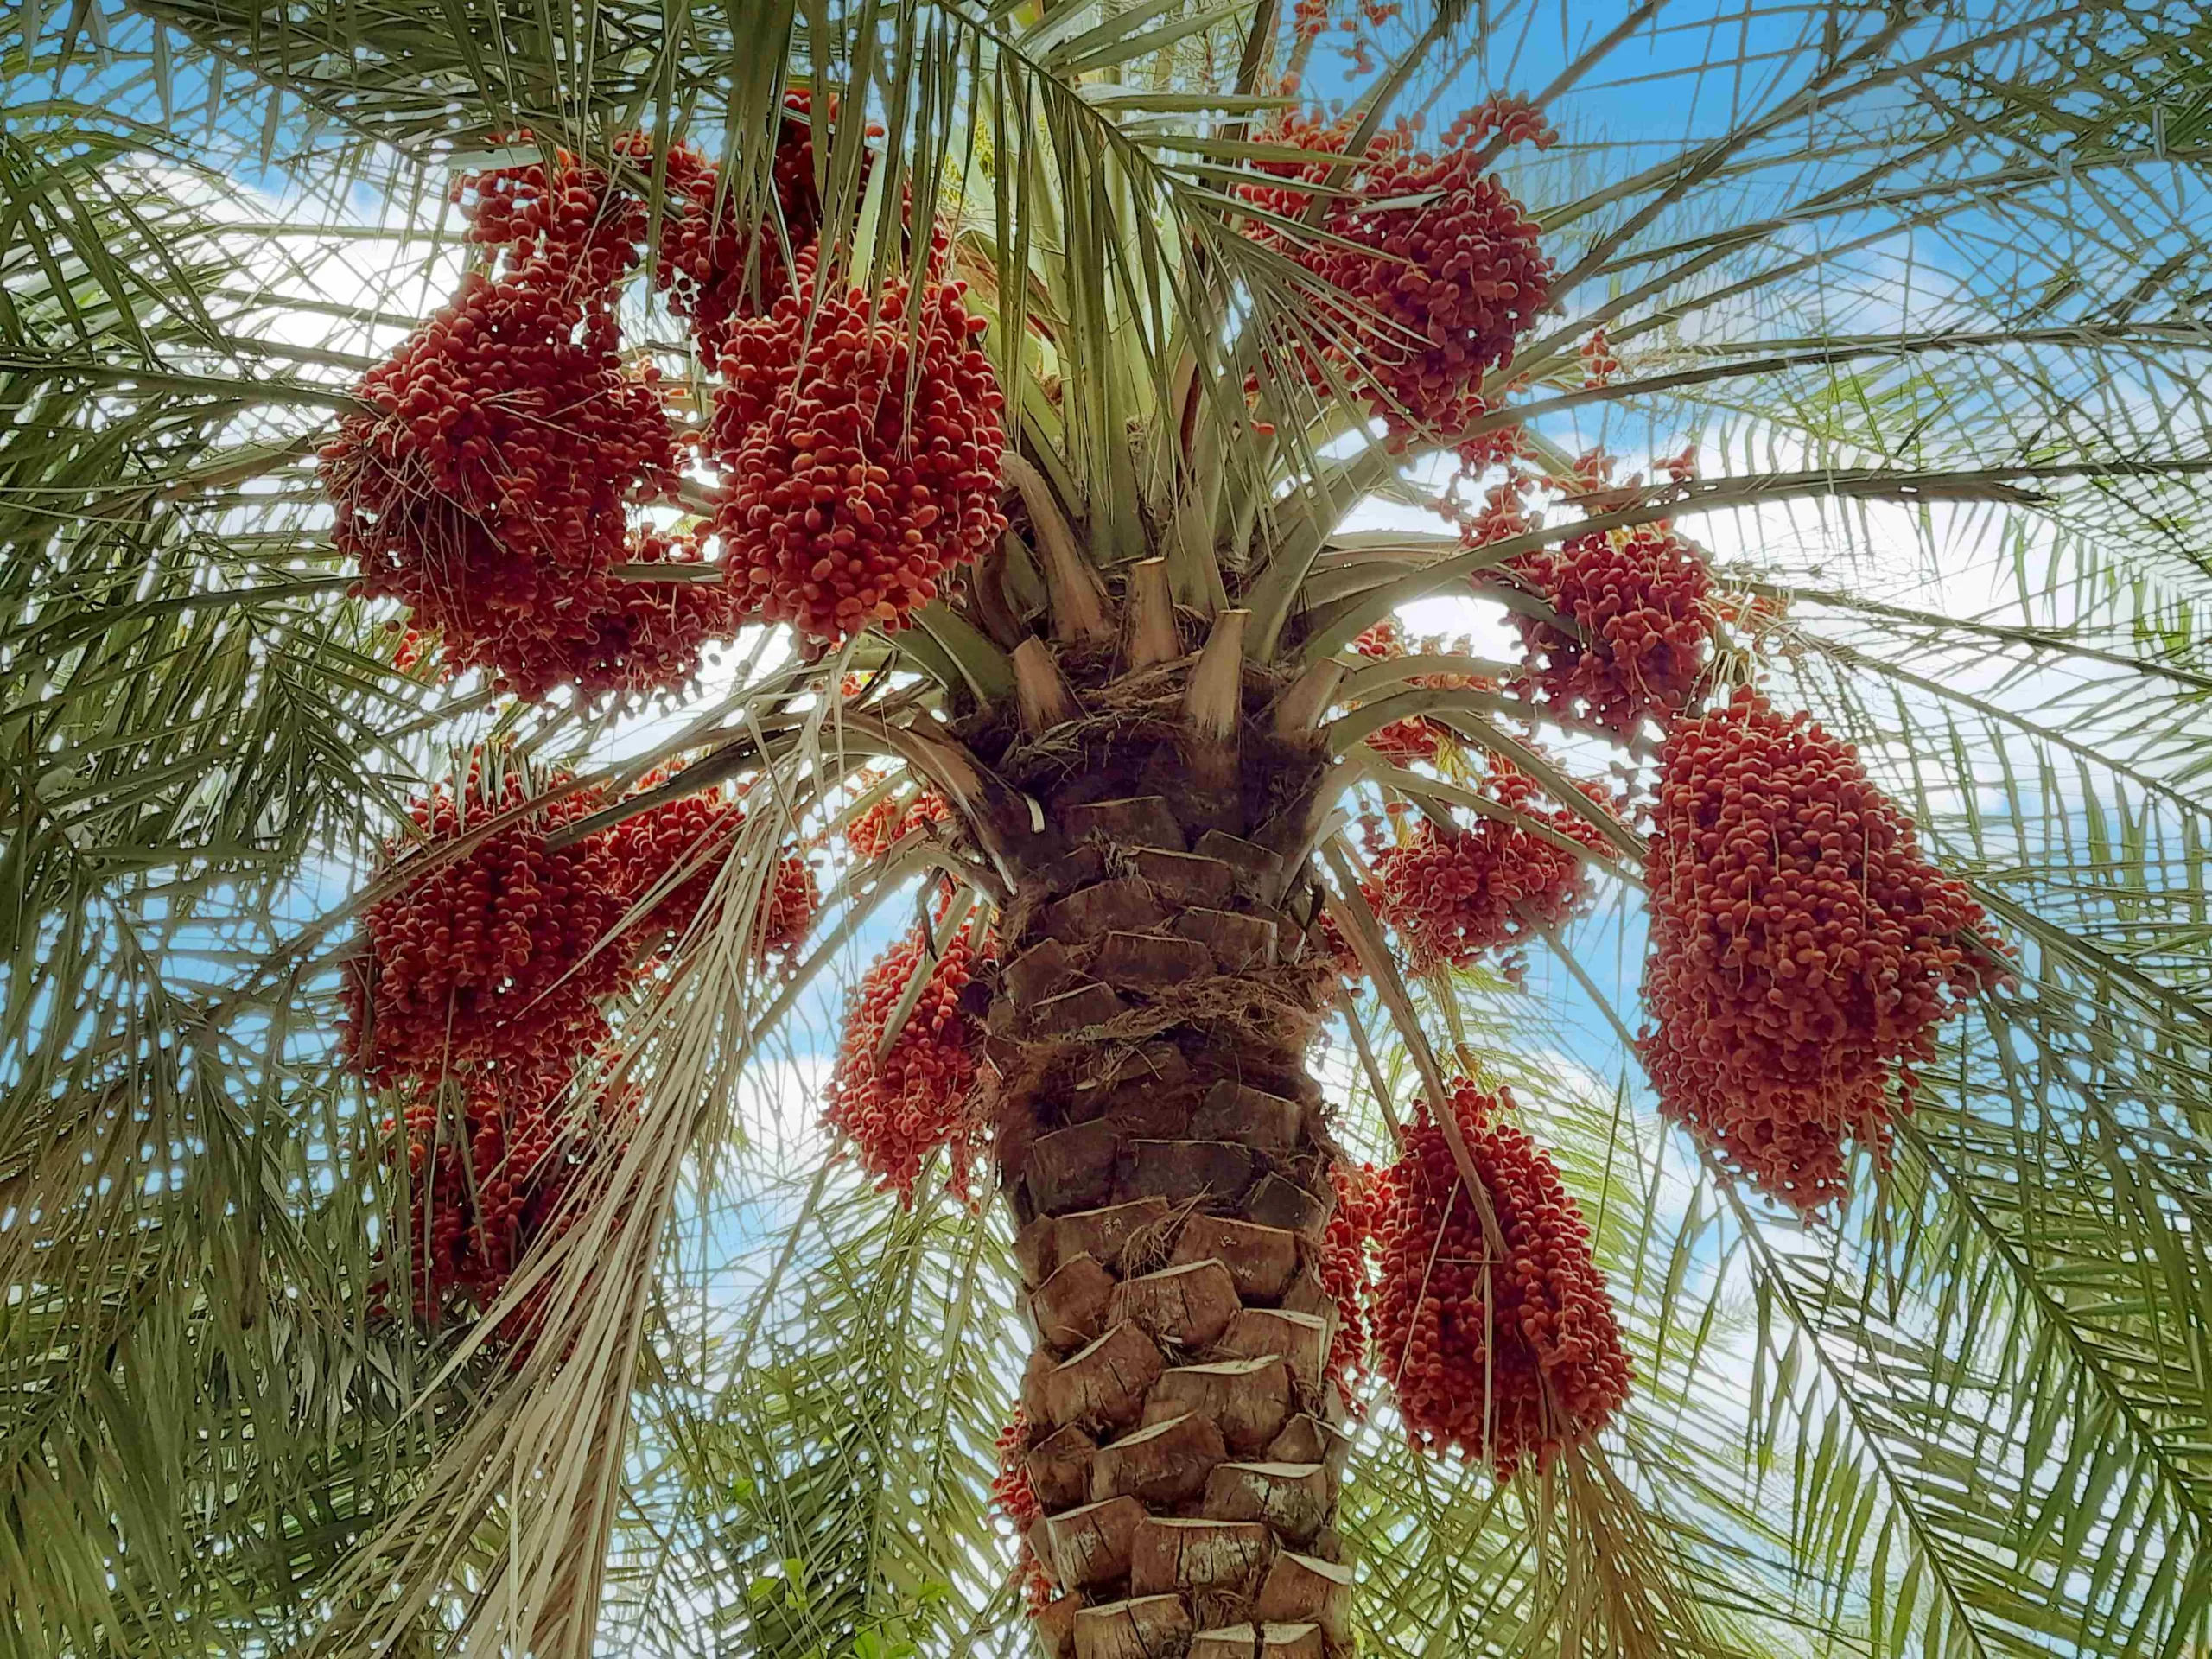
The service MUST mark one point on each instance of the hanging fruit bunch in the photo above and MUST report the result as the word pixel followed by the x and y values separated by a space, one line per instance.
pixel 482 990
pixel 676 853
pixel 1633 609
pixel 1311 19
pixel 1636 610
pixel 787 911
pixel 1504 512
pixel 1404 742
pixel 1011 1493
pixel 900 1107
pixel 1341 1267
pixel 1016 1498
pixel 1639 603
pixel 1503 1347
pixel 1443 264
pixel 671 853
pixel 466 1169
pixel 634 636
pixel 1802 951
pixel 486 487
pixel 875 831
pixel 486 490
pixel 1013 1496
pixel 1335 950
pixel 563 226
pixel 1599 366
pixel 489 492
pixel 499 956
pixel 1453 893
pixel 861 439
pixel 1503 447
pixel 489 1163
pixel 507 950
pixel 714 269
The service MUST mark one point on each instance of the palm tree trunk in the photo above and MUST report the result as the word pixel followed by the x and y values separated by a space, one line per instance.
pixel 1161 1145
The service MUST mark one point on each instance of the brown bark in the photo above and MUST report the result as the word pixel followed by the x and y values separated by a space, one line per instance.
pixel 1160 1144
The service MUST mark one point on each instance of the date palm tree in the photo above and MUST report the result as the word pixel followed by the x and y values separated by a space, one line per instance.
pixel 1910 294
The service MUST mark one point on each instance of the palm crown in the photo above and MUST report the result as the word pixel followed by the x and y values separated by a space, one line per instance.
pixel 637 517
